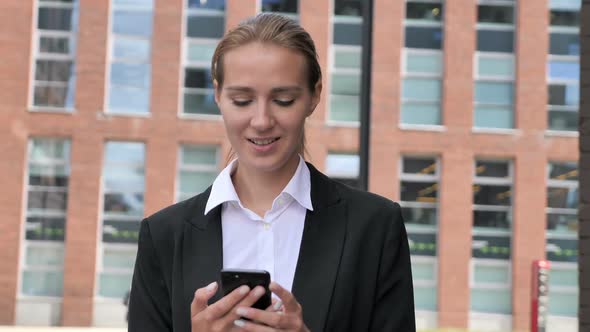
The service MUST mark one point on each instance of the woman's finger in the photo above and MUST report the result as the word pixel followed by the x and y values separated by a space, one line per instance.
pixel 276 305
pixel 248 301
pixel 227 303
pixel 252 327
pixel 289 301
pixel 202 296
pixel 270 318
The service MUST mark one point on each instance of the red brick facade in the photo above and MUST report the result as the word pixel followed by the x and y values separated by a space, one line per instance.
pixel 163 130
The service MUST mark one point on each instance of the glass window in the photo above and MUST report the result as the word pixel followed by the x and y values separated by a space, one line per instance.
pixel 490 285
pixel 348 32
pixel 563 66
pixel 494 91
pixel 423 25
pixel 345 108
pixel 280 6
pixel 424 37
pixel 197 170
pixel 130 48
pixel 424 11
pixel 130 67
pixel 134 23
pixel 201 26
pixel 57 45
pixel 564 94
pixel 55 18
pixel 493 66
pixel 564 44
pixel 47 191
pixel 343 167
pixel 123 207
pixel 563 289
pixel 421 88
pixel 42 283
pixel 562 201
pixel 424 63
pixel 564 70
pixel 419 185
pixel 209 4
pixel 54 58
pixel 494 117
pixel 495 41
pixel 419 192
pixel 495 14
pixel 495 28
pixel 345 84
pixel 420 114
pixel 205 24
pixel 348 8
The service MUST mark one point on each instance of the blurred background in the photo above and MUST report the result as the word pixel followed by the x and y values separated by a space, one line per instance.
pixel 108 115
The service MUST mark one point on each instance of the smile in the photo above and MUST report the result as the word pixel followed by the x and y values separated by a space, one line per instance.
pixel 262 142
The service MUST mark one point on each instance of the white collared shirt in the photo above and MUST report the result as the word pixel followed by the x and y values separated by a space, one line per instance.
pixel 270 242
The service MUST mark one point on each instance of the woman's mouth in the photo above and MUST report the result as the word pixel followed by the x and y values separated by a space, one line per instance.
pixel 263 142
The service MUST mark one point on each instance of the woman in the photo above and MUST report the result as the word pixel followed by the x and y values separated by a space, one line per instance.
pixel 338 256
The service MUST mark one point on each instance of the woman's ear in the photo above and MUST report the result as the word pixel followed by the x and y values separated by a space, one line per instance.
pixel 315 98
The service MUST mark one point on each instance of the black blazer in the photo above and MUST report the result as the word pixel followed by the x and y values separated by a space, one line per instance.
pixel 353 272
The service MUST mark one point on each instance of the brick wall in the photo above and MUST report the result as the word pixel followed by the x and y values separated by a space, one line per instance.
pixel 584 233
pixel 456 145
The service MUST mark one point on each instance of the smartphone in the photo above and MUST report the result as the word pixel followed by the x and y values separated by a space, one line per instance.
pixel 234 278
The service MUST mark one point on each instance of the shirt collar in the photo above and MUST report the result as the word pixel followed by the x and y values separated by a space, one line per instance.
pixel 223 190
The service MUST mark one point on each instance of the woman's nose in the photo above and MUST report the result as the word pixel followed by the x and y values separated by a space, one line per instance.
pixel 262 118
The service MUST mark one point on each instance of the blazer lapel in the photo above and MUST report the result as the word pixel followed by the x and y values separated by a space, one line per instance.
pixel 320 252
pixel 202 248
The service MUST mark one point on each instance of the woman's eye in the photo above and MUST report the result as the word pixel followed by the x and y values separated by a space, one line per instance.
pixel 241 103
pixel 284 103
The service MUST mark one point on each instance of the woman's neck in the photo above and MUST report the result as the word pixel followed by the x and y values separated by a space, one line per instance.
pixel 257 190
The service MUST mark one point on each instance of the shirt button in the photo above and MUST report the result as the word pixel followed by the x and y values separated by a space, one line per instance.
pixel 266 226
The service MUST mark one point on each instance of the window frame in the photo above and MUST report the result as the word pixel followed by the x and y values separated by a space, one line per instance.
pixel 102 246
pixel 406 52
pixel 332 69
pixel 493 181
pixel 37 55
pixel 25 244
pixel 562 58
pixel 185 63
pixel 201 167
pixel 426 178
pixel 111 59
pixel 511 79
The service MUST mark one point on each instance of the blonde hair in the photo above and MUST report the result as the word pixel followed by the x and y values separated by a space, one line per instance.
pixel 272 29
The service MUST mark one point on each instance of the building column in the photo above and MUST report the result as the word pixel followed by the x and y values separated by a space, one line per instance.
pixel 81 230
pixel 388 43
pixel 86 160
pixel 238 10
pixel 529 200
pixel 454 238
pixel 454 247
pixel 15 30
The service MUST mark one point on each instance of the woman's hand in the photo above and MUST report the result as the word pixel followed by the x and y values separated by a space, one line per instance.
pixel 288 319
pixel 221 315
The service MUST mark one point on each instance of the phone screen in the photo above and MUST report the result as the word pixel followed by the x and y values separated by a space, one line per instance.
pixel 234 278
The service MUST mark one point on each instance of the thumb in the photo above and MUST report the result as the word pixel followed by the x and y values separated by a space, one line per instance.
pixel 202 295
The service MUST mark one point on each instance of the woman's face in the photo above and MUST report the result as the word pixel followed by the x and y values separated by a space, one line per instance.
pixel 264 101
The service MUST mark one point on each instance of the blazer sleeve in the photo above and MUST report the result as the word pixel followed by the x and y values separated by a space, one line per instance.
pixel 394 297
pixel 149 302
